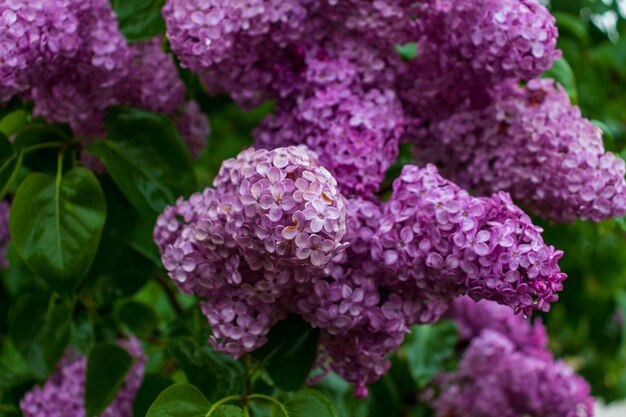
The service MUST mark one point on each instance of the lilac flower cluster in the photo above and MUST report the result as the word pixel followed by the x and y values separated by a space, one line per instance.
pixel 533 143
pixel 447 242
pixel 341 90
pixel 271 239
pixel 71 60
pixel 64 391
pixel 501 376
pixel 273 221
pixel 467 46
pixel 354 129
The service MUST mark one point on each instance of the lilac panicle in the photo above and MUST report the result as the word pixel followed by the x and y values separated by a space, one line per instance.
pixel 273 221
pixel 450 243
pixel 534 144
pixel 467 46
pixel 64 391
pixel 507 371
pixel 353 128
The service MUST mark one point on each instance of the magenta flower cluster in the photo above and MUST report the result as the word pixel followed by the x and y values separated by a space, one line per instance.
pixel 64 392
pixel 532 142
pixel 467 46
pixel 507 371
pixel 71 60
pixel 276 237
pixel 342 90
pixel 273 221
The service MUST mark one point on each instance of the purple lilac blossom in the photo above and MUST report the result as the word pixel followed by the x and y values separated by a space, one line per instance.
pixel 273 221
pixel 71 60
pixel 506 370
pixel 286 206
pixel 194 127
pixel 449 243
pixel 233 45
pixel 152 82
pixel 355 129
pixel 75 87
pixel 473 317
pixel 63 392
pixel 467 46
pixel 534 144
pixel 362 314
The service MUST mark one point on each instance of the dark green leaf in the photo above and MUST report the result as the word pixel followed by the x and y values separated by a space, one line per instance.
pixel 562 73
pixel 38 132
pixel 12 122
pixel 56 225
pixel 291 341
pixel 215 374
pixel 227 411
pixel 146 158
pixel 151 387
pixel 310 403
pixel 138 317
pixel 573 24
pixel 107 366
pixel 429 349
pixel 180 400
pixel 14 370
pixel 139 19
pixel 39 325
pixel 10 165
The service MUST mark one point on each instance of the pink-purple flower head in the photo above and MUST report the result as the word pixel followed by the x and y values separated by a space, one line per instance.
pixel 435 233
pixel 534 144
pixel 289 202
pixel 64 391
pixel 506 370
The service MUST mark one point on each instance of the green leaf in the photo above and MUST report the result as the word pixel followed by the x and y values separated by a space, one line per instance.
pixel 607 134
pixel 180 400
pixel 228 411
pixel 138 317
pixel 139 19
pixel 39 326
pixel 12 122
pixel 151 387
pixel 107 366
pixel 10 165
pixel 215 374
pixel 562 73
pixel 146 158
pixel 429 349
pixel 14 370
pixel 310 403
pixel 292 341
pixel 574 25
pixel 56 224
pixel 407 51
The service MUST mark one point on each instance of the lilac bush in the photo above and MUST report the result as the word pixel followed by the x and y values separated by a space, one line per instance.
pixel 397 152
